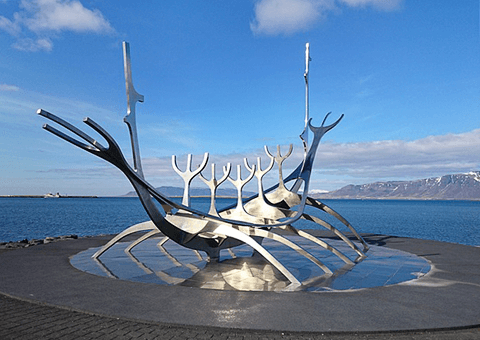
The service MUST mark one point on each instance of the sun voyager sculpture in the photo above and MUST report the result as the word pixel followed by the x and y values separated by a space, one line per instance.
pixel 270 214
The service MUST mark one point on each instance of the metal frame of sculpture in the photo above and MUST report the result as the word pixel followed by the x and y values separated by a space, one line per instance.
pixel 269 214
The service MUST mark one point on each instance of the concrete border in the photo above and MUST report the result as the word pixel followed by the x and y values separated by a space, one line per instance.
pixel 447 297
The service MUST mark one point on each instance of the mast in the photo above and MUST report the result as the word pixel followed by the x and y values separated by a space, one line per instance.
pixel 304 134
pixel 132 98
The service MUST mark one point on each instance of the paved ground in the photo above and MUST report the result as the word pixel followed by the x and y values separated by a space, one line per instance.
pixel 22 318
pixel 26 320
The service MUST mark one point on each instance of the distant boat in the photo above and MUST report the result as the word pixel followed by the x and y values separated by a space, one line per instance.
pixel 50 195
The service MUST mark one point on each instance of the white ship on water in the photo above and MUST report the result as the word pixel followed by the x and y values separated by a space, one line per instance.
pixel 50 195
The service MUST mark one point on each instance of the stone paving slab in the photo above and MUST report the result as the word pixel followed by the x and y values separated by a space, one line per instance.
pixel 448 297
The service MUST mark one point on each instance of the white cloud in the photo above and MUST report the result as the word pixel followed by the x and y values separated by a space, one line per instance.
pixel 287 16
pixel 38 21
pixel 31 45
pixel 386 5
pixel 274 17
pixel 359 163
pixel 6 87
pixel 63 15
pixel 434 152
pixel 11 27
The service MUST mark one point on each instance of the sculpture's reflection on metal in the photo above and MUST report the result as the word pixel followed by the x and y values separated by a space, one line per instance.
pixel 249 221
pixel 104 268
pixel 234 274
pixel 165 277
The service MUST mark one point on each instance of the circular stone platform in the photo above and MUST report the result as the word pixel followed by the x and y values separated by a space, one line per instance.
pixel 172 264
pixel 448 296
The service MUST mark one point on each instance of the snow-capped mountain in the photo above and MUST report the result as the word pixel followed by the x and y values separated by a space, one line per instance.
pixel 458 186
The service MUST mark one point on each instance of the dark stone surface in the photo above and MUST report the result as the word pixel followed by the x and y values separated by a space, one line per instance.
pixel 446 298
pixel 29 320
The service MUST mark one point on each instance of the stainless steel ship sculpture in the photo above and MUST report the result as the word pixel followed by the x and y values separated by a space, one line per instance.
pixel 267 215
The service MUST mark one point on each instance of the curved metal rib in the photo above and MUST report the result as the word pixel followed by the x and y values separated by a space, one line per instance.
pixel 322 206
pixel 142 238
pixel 223 229
pixel 319 221
pixel 294 231
pixel 335 231
pixel 318 241
pixel 133 229
pixel 278 238
pixel 193 268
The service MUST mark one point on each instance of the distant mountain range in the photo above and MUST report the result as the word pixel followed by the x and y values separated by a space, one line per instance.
pixel 178 192
pixel 458 187
pixel 454 187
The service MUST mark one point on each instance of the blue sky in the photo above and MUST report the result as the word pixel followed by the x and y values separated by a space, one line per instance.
pixel 226 77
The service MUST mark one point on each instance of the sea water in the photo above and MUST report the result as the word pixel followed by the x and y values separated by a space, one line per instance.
pixel 37 218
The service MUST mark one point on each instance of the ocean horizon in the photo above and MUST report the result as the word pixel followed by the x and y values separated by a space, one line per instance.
pixel 36 218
